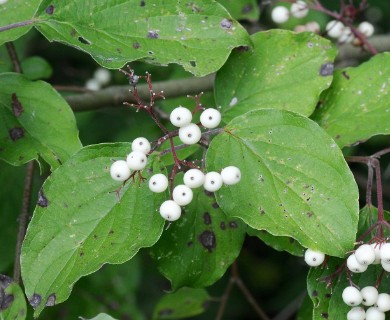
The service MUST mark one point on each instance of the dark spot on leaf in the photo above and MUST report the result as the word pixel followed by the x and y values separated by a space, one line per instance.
pixel 50 9
pixel 81 254
pixel 207 239
pixel 153 35
pixel 337 137
pixel 51 300
pixel 35 300
pixel 193 63
pixel 150 52
pixel 111 232
pixel 17 107
pixel 136 45
pixel 314 293
pixel 327 69
pixel 73 33
pixel 209 194
pixel 119 50
pixel 165 312
pixel 242 49
pixel 189 243
pixel 95 236
pixel 325 315
pixel 42 200
pixel 345 74
pixel 328 295
pixel 222 225
pixel 226 24
pixel 308 199
pixel 142 3
pixel 309 214
pixel 215 205
pixel 84 41
pixel 233 225
pixel 262 211
pixel 5 281
pixel 246 9
pixel 206 218
pixel 16 133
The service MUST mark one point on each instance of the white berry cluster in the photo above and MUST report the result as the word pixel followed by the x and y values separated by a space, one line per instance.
pixel 281 14
pixel 101 78
pixel 136 160
pixel 367 254
pixel 377 303
pixel 190 133
pixel 336 29
pixel 194 178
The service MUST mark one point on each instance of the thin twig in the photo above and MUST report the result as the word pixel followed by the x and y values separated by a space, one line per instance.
pixel 291 308
pixel 224 299
pixel 14 57
pixel 71 88
pixel 23 217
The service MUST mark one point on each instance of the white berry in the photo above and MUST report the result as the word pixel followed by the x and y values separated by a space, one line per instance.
pixel 231 175
pixel 314 258
pixel 383 302
pixel 120 171
pixel 365 254
pixel 180 117
pixel 299 9
pixel 356 313
pixel 334 28
pixel 190 134
pixel 3 1
pixel 370 295
pixel 377 251
pixel 210 118
pixel 385 266
pixel 352 296
pixel 374 313
pixel 366 28
pixel 141 144
pixel 103 76
pixel 213 181
pixel 354 266
pixel 385 252
pixel 280 14
pixel 170 210
pixel 346 35
pixel 194 178
pixel 136 160
pixel 158 183
pixel 182 195
pixel 93 85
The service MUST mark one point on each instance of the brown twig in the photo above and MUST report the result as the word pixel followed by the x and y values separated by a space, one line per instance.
pixel 17 25
pixel 23 218
pixel 14 57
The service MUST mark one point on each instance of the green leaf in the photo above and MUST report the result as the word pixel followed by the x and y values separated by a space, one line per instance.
pixel 16 11
pixel 285 70
pixel 13 304
pixel 101 316
pixel 37 122
pixel 198 35
pixel 184 303
pixel 295 181
pixel 197 249
pixel 35 68
pixel 242 9
pixel 356 106
pixel 79 225
pixel 287 244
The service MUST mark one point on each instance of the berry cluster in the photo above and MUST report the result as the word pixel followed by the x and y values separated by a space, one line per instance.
pixel 136 160
pixel 336 29
pixel 377 303
pixel 189 133
pixel 281 14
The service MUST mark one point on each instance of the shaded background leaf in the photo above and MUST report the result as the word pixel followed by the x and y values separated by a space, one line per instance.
pixel 184 303
pixel 79 225
pixel 295 181
pixel 284 70
pixel 196 250
pixel 12 302
pixel 356 106
pixel 242 9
